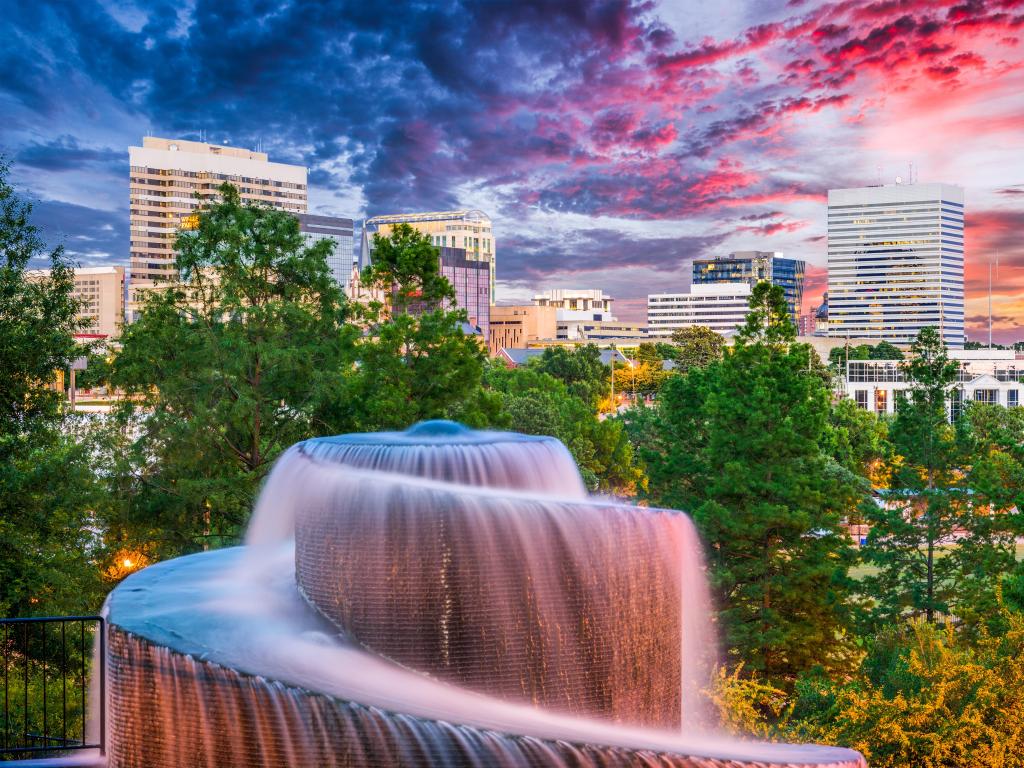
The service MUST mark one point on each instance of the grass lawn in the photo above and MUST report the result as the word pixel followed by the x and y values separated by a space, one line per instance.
pixel 860 571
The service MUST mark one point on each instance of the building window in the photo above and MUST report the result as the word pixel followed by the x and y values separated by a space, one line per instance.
pixel 1012 398
pixel 956 403
pixel 990 396
pixel 881 401
pixel 860 396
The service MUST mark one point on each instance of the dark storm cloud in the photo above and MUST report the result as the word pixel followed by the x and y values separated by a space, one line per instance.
pixel 87 234
pixel 524 259
pixel 64 154
pixel 592 107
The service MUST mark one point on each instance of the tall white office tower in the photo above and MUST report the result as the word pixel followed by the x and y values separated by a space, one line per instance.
pixel 896 262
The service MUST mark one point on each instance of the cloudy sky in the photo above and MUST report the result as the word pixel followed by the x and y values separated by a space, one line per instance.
pixel 612 142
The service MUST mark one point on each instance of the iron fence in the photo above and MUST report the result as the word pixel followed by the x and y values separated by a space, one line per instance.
pixel 45 697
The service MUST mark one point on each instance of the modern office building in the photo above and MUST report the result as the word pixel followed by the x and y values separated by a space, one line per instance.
pixel 722 307
pixel 576 307
pixel 514 327
pixel 315 228
pixel 170 178
pixel 469 230
pixel 471 279
pixel 100 293
pixel 986 375
pixel 753 267
pixel 896 262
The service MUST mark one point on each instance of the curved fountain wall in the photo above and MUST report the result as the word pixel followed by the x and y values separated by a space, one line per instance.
pixel 548 611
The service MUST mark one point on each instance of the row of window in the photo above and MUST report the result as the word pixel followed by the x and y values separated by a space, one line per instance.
pixel 988 396
pixel 219 176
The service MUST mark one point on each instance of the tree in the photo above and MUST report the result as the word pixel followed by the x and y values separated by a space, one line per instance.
pixel 539 404
pixel 921 697
pixel 413 360
pixel 746 436
pixel 406 266
pixel 47 490
pixel 223 371
pixel 580 369
pixel 886 351
pixel 925 494
pixel 650 354
pixel 697 347
pixel 640 378
pixel 991 438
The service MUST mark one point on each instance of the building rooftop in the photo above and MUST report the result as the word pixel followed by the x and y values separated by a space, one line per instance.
pixel 472 214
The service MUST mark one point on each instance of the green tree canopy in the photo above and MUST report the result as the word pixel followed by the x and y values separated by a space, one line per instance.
pixel 539 404
pixel 46 487
pixel 696 347
pixel 925 493
pixel 742 444
pixel 223 371
pixel 580 369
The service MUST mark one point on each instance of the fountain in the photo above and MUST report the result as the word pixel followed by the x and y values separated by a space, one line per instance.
pixel 432 597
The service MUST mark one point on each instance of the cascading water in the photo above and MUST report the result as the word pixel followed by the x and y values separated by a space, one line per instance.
pixel 433 597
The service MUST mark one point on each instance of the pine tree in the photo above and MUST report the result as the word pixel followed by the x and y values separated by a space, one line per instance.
pixel 746 436
pixel 925 498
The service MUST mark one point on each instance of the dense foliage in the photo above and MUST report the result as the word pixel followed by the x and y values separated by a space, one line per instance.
pixel 47 485
pixel 741 446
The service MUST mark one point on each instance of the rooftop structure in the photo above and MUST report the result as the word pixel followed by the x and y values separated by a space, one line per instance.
pixel 753 267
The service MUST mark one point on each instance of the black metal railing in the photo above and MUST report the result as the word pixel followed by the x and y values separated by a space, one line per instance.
pixel 45 677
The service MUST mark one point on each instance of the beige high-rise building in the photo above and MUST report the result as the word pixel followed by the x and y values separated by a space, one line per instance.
pixel 467 229
pixel 170 178
pixel 100 293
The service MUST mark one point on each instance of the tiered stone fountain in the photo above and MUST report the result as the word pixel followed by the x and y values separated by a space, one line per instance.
pixel 433 597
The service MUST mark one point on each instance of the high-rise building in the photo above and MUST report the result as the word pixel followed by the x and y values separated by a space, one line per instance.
pixel 170 178
pixel 753 267
pixel 575 307
pixel 722 307
pixel 896 262
pixel 315 228
pixel 469 230
pixel 100 293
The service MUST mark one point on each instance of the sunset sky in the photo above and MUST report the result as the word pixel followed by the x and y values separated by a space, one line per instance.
pixel 611 142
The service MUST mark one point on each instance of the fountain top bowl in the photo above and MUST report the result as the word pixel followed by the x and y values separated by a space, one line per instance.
pixel 431 433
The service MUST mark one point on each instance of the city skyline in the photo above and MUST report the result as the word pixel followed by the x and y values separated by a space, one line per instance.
pixel 620 142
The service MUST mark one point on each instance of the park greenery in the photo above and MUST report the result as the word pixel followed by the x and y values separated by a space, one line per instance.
pixel 909 647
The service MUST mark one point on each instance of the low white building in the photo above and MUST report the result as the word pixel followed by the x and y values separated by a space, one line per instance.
pixel 575 309
pixel 986 375
pixel 722 307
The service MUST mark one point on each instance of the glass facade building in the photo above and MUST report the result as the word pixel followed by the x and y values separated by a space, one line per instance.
pixel 753 267
pixel 315 228
pixel 896 262
pixel 471 279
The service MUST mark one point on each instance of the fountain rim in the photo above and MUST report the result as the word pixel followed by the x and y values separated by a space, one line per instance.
pixel 433 433
pixel 356 473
